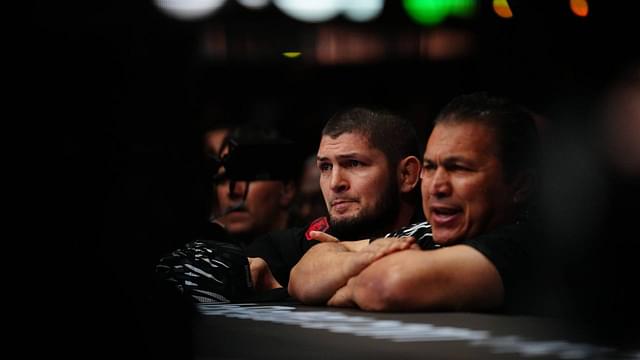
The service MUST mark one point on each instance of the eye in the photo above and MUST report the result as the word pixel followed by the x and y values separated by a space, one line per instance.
pixel 353 163
pixel 428 166
pixel 457 167
pixel 324 167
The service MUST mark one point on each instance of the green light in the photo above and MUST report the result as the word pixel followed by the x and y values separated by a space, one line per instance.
pixel 463 8
pixel 433 12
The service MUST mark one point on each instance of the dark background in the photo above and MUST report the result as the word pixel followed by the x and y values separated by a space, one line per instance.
pixel 122 92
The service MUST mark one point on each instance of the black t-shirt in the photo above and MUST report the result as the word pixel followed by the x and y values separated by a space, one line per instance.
pixel 281 250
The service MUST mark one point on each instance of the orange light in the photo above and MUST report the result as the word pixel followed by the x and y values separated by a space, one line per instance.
pixel 501 7
pixel 579 7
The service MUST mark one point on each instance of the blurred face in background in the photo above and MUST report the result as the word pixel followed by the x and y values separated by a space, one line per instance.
pixel 213 140
pixel 252 208
pixel 622 126
pixel 310 201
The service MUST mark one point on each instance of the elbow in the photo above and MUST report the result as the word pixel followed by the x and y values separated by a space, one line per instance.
pixel 302 290
pixel 296 288
pixel 379 293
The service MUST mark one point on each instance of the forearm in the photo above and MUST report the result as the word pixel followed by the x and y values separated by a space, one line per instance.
pixel 456 278
pixel 320 273
pixel 329 266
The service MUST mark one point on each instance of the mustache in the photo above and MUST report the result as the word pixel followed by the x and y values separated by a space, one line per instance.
pixel 238 207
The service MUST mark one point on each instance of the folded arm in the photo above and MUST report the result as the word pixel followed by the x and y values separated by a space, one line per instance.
pixel 328 266
pixel 453 278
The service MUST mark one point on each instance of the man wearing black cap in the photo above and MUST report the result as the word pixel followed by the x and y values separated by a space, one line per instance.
pixel 255 183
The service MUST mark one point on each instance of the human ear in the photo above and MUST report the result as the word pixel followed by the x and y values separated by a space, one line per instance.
pixel 523 186
pixel 408 173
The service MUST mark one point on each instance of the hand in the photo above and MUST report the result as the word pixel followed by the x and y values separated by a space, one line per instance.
pixel 322 236
pixel 376 250
pixel 261 275
pixel 343 297
pixel 349 245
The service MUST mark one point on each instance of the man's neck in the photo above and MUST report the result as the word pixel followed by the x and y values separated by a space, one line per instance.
pixel 406 216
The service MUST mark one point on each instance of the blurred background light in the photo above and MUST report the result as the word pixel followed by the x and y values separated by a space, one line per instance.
pixel 339 45
pixel 445 44
pixel 462 8
pixel 309 10
pixel 502 9
pixel 291 54
pixel 362 10
pixel 254 4
pixel 323 10
pixel 433 12
pixel 579 7
pixel 189 9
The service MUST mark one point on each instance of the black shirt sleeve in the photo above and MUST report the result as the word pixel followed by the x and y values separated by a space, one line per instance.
pixel 507 248
pixel 281 250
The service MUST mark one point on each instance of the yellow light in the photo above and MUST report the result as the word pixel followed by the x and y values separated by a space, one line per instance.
pixel 579 7
pixel 291 54
pixel 501 7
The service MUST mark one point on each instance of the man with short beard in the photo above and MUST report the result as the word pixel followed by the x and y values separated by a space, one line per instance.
pixel 369 181
pixel 368 160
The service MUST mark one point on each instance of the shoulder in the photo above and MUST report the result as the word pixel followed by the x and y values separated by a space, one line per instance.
pixel 287 241
pixel 420 231
pixel 517 236
pixel 319 224
pixel 509 249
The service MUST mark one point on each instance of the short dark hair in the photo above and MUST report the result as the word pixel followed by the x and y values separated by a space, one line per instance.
pixel 393 135
pixel 514 125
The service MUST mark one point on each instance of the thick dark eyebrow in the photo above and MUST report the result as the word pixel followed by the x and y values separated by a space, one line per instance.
pixel 448 160
pixel 347 156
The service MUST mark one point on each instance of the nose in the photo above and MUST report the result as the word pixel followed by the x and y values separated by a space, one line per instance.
pixel 439 184
pixel 338 181
pixel 236 189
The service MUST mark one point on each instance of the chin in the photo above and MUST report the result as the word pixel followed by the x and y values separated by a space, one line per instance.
pixel 235 229
pixel 444 239
pixel 343 218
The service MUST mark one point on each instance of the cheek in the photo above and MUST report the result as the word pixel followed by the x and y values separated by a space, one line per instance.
pixel 424 189
pixel 483 200
pixel 372 190
pixel 263 196
pixel 470 189
pixel 221 192
pixel 324 188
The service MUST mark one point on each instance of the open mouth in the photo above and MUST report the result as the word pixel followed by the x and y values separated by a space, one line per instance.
pixel 443 215
pixel 444 211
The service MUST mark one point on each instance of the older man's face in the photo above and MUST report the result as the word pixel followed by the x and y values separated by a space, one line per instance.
pixel 464 192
